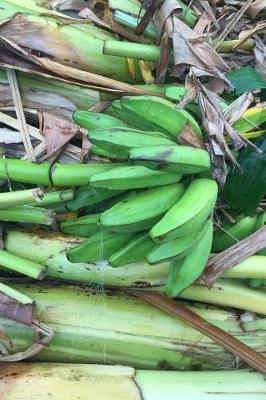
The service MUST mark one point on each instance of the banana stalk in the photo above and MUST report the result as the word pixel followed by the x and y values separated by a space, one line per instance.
pixel 49 94
pixel 85 328
pixel 28 380
pixel 50 248
pixel 75 45
pixel 20 197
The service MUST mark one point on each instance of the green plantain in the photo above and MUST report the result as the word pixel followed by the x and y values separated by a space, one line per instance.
pixel 118 141
pixel 160 112
pixel 184 273
pixel 98 247
pixel 83 226
pixel 88 196
pixel 134 251
pixel 94 120
pixel 132 177
pixel 172 158
pixel 143 210
pixel 188 213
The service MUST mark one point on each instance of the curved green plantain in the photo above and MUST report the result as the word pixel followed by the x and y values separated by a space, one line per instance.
pixel 172 158
pixel 160 112
pixel 189 213
pixel 174 249
pixel 185 272
pixel 83 226
pixel 98 247
pixel 134 251
pixel 132 177
pixel 118 141
pixel 143 210
pixel 133 120
pixel 230 234
pixel 88 196
pixel 94 120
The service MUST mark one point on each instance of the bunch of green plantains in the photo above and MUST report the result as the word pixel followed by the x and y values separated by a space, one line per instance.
pixel 149 199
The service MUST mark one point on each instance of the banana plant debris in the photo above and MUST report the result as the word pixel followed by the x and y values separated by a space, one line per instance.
pixel 132 175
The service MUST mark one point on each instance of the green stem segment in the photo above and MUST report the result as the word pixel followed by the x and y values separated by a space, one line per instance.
pixel 55 198
pixel 22 265
pixel 149 52
pixel 50 174
pixel 20 297
pixel 20 197
pixel 27 214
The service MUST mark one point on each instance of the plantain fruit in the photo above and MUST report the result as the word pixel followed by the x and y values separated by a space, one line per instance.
pixel 173 250
pixel 230 234
pixel 94 120
pixel 143 210
pixel 83 226
pixel 98 247
pixel 88 196
pixel 118 141
pixel 172 158
pixel 132 177
pixel 160 112
pixel 133 120
pixel 108 203
pixel 136 250
pixel 188 213
pixel 184 273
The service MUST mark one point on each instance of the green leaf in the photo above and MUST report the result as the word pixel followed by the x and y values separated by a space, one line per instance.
pixel 246 79
pixel 245 189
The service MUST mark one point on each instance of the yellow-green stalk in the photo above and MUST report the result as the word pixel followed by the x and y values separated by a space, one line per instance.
pixel 95 326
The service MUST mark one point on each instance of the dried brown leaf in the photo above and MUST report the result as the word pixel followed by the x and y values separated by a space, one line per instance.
pixel 188 137
pixel 225 260
pixel 218 335
pixel 189 49
pixel 256 7
pixel 58 130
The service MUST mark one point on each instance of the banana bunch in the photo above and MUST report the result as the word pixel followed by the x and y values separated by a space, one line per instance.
pixel 148 205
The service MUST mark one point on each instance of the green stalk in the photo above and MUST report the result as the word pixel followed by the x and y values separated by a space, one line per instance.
pixel 21 265
pixel 150 52
pixel 252 268
pixel 39 92
pixel 8 291
pixel 115 382
pixel 137 51
pixel 50 174
pixel 229 293
pixel 229 45
pixel 77 45
pixel 27 214
pixel 57 197
pixel 86 329
pixel 25 171
pixel 50 248
pixel 20 197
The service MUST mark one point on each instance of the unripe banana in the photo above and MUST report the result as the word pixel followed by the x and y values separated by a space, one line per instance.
pixel 143 210
pixel 131 119
pixel 94 120
pixel 108 203
pixel 98 247
pixel 83 226
pixel 160 112
pixel 136 250
pixel 189 213
pixel 172 158
pixel 174 249
pixel 133 177
pixel 88 196
pixel 118 141
pixel 184 273
pixel 230 234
